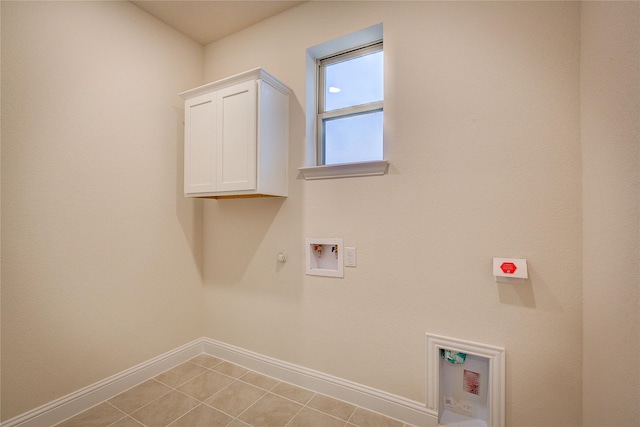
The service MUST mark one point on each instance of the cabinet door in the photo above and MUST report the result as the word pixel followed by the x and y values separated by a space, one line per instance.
pixel 199 145
pixel 236 137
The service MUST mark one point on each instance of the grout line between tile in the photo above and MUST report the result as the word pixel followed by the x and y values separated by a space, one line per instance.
pixel 117 409
pixel 233 418
pixel 184 415
pixel 250 406
pixel 294 417
pixel 149 403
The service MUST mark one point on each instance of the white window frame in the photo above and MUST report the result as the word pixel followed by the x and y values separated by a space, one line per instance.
pixel 371 107
pixel 314 169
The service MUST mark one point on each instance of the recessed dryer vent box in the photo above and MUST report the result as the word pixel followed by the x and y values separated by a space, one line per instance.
pixel 465 382
pixel 324 257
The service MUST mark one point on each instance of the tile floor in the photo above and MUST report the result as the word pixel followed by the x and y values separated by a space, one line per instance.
pixel 207 391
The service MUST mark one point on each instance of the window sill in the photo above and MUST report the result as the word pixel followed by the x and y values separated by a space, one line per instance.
pixel 345 170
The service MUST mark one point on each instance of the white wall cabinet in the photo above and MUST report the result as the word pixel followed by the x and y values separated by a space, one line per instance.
pixel 236 137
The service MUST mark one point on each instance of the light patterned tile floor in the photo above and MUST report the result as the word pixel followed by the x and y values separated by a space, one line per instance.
pixel 210 392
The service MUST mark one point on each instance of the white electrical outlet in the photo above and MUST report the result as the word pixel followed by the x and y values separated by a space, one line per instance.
pixel 350 257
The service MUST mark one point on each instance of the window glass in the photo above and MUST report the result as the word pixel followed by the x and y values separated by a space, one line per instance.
pixel 354 138
pixel 350 109
pixel 355 81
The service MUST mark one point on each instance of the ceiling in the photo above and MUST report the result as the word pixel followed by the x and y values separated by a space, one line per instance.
pixel 209 20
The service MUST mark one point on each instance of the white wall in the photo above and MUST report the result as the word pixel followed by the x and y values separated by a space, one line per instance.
pixel 101 254
pixel 610 108
pixel 482 128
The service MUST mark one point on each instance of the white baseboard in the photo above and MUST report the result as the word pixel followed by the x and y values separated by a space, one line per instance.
pixel 388 404
pixel 83 399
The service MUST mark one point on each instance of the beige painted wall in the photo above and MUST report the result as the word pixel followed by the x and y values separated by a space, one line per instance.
pixel 610 109
pixel 101 254
pixel 102 266
pixel 482 131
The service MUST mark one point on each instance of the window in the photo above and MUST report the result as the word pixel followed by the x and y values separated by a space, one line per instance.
pixel 350 106
pixel 344 111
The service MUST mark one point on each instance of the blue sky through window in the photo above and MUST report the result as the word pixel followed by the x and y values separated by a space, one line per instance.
pixel 355 81
pixel 355 138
